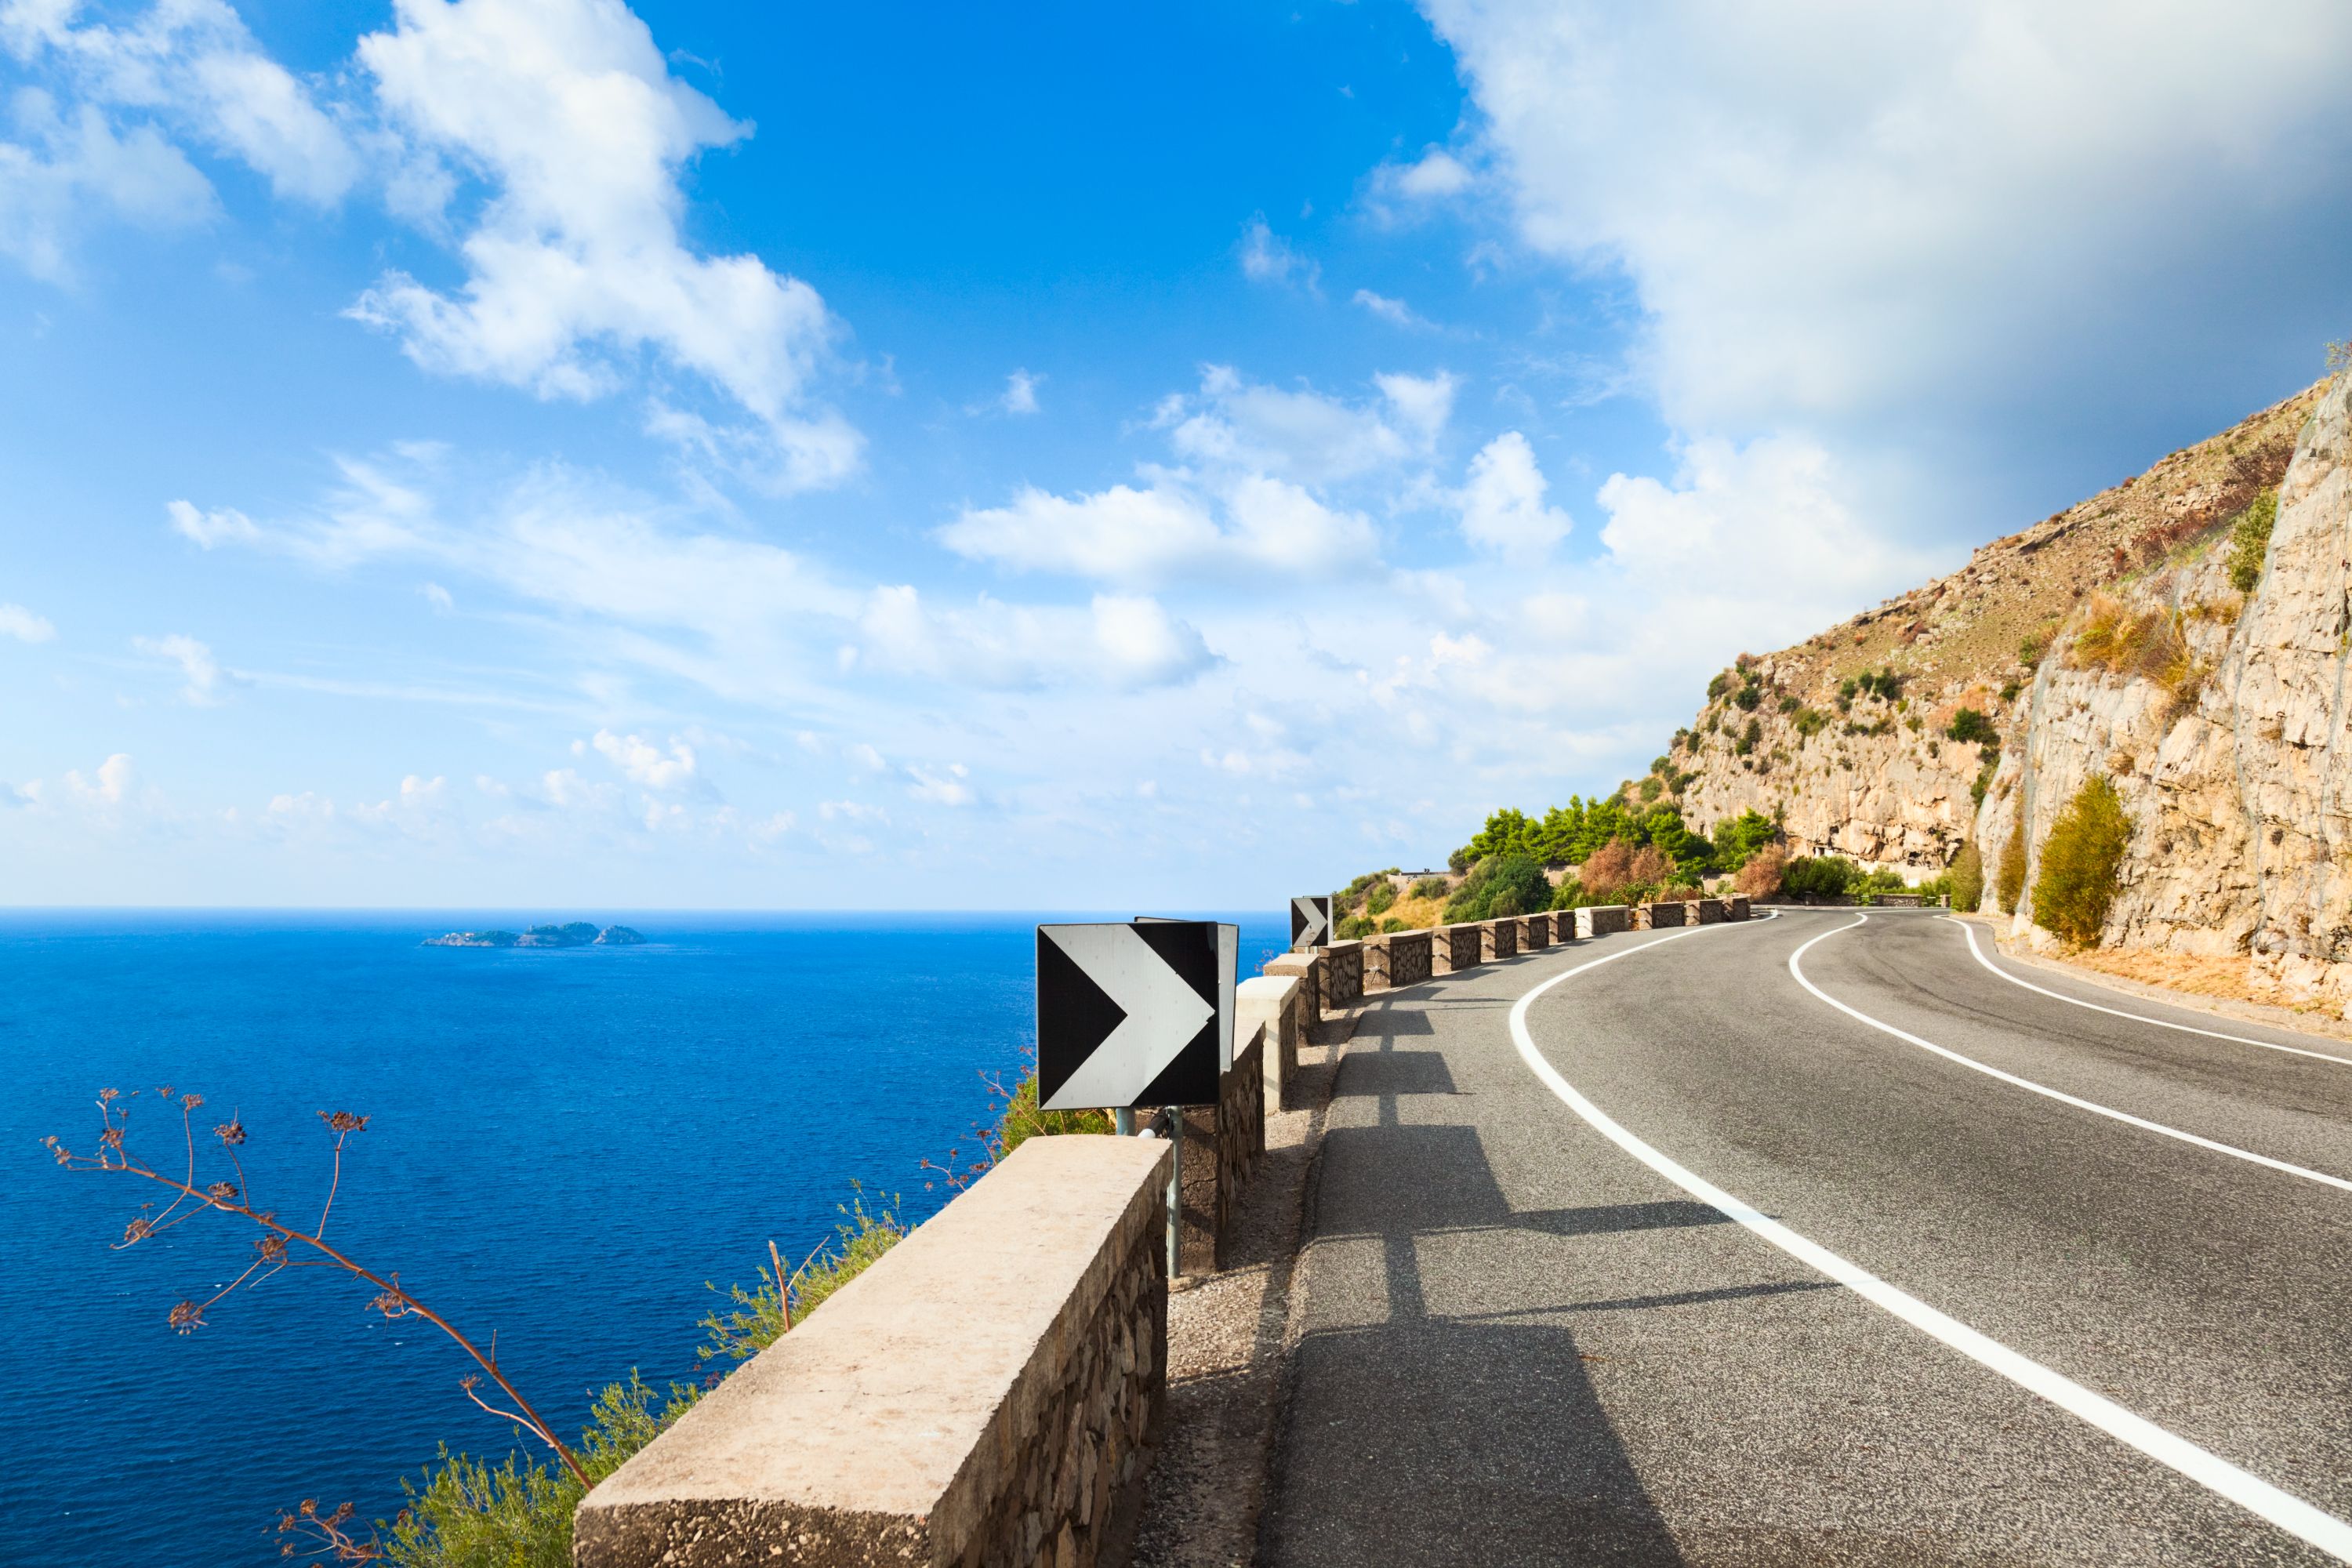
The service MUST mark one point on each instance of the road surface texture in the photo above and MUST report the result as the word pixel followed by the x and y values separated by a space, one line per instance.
pixel 2095 1310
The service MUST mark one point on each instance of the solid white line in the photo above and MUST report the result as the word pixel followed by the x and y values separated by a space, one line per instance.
pixel 1969 931
pixel 2289 1513
pixel 2093 1107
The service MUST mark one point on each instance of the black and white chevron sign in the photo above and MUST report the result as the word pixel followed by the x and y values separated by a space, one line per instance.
pixel 1136 1014
pixel 1310 922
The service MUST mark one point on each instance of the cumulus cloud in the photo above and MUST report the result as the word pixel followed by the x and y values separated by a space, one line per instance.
pixel 1396 312
pixel 64 169
pixel 16 621
pixel 1267 258
pixel 1020 392
pixel 645 764
pixel 941 788
pixel 192 64
pixel 198 669
pixel 1501 504
pixel 109 785
pixel 1120 641
pixel 567 113
pixel 1835 211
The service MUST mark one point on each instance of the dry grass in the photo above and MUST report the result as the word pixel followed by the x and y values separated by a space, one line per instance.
pixel 2227 976
pixel 1418 914
pixel 2150 644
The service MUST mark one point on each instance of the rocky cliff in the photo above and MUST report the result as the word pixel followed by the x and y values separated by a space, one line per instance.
pixel 2109 637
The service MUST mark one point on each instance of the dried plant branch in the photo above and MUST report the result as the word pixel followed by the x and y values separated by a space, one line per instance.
pixel 276 1249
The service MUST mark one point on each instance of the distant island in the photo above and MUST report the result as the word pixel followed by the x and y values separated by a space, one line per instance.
pixel 578 933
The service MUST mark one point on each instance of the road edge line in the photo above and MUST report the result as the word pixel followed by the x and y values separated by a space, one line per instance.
pixel 2299 1519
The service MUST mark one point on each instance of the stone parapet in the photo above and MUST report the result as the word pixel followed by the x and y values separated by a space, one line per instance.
pixel 1708 912
pixel 1223 1144
pixel 1276 1003
pixel 1343 974
pixel 1658 916
pixel 1603 920
pixel 1397 958
pixel 1535 931
pixel 1306 968
pixel 1498 939
pixel 986 1393
pixel 1736 907
pixel 1455 948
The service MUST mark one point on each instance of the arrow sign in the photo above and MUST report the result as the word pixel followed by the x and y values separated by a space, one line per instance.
pixel 1310 922
pixel 1133 1015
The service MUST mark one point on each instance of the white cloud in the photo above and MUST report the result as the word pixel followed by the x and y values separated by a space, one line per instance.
pixel 566 111
pixel 198 669
pixel 1267 258
pixel 948 788
pixel 111 784
pixel 1119 641
pixel 225 525
pixel 192 64
pixel 1020 392
pixel 1435 175
pixel 438 597
pixel 1421 404
pixel 1502 502
pixel 1396 312
pixel 16 621
pixel 67 167
pixel 1236 424
pixel 643 763
pixel 1839 211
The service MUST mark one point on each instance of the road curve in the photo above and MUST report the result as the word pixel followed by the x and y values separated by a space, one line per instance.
pixel 1524 1345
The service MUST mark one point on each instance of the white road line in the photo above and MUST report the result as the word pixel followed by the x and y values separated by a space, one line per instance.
pixel 2250 1492
pixel 1969 931
pixel 2093 1107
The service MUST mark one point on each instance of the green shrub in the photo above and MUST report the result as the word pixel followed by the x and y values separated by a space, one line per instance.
pixel 1968 724
pixel 1719 685
pixel 1790 704
pixel 1393 922
pixel 1810 721
pixel 2080 861
pixel 1381 898
pixel 2249 541
pixel 2009 692
pixel 1354 928
pixel 1570 895
pixel 1650 789
pixel 1021 1120
pixel 1968 877
pixel 1497 886
pixel 1749 696
pixel 1820 875
pixel 2010 885
pixel 1429 888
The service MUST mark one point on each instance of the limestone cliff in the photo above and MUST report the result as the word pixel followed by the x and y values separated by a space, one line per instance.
pixel 2106 639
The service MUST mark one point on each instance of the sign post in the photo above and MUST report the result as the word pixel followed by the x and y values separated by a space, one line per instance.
pixel 1135 1016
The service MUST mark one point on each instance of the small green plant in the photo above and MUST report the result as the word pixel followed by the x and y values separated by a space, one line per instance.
pixel 2081 862
pixel 1749 696
pixel 1967 874
pixel 2249 541
pixel 2010 886
pixel 1429 888
pixel 1990 766
pixel 1355 927
pixel 1968 724
pixel 2009 692
pixel 1381 898
pixel 1393 922
pixel 1810 721
pixel 1790 704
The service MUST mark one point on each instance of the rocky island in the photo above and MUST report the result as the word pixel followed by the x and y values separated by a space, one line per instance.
pixel 577 933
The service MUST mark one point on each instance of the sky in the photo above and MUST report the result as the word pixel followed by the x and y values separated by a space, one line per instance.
pixel 547 454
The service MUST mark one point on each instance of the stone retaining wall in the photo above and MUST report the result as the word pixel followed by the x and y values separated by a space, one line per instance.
pixel 1602 919
pixel 1306 968
pixel 1710 911
pixel 986 1393
pixel 1658 916
pixel 1223 1144
pixel 1276 1003
pixel 1739 907
pixel 1535 931
pixel 1498 939
pixel 1343 974
pixel 1455 948
pixel 1399 958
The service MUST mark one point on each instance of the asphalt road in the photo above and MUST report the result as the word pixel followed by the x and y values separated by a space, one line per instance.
pixel 1523 1344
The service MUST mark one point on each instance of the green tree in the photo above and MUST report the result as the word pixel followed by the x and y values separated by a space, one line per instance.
pixel 1968 878
pixel 2081 861
pixel 1737 837
pixel 1821 875
pixel 1498 886
pixel 2010 886
pixel 1968 724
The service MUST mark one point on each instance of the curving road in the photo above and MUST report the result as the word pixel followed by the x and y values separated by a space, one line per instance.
pixel 1816 1240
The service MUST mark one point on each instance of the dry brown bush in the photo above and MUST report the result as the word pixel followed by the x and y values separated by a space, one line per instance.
pixel 1650 866
pixel 1760 878
pixel 1607 868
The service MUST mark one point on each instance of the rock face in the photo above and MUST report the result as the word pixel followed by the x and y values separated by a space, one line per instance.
pixel 2108 638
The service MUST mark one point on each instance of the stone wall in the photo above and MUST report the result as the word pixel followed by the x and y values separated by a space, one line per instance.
pixel 1343 974
pixel 1399 958
pixel 986 1393
pixel 1306 968
pixel 1602 919
pixel 1498 939
pixel 1706 911
pixel 1454 947
pixel 1533 932
pixel 1657 917
pixel 1276 1003
pixel 1223 1144
pixel 1736 906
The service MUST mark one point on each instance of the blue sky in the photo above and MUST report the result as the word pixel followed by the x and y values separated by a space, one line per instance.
pixel 543 453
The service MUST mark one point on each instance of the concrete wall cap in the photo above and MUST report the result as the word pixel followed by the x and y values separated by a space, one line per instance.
pixel 878 1402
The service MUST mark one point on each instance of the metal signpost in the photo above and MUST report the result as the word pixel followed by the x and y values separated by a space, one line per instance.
pixel 1136 1014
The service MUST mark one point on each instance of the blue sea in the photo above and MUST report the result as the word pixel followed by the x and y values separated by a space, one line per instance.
pixel 562 1146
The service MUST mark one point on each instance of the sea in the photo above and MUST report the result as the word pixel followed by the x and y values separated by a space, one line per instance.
pixel 566 1148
